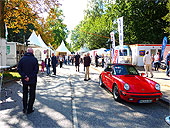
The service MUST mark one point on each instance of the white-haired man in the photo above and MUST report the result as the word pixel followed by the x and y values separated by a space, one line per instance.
pixel 28 69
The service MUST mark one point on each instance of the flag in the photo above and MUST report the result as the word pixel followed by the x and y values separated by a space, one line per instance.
pixel 163 46
pixel 112 39
pixel 120 30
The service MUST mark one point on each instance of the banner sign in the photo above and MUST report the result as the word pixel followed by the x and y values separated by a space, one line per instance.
pixel 8 50
pixel 120 30
pixel 116 52
pixel 163 46
pixel 142 53
pixel 112 39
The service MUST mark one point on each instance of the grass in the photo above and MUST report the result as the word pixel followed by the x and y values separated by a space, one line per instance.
pixel 10 75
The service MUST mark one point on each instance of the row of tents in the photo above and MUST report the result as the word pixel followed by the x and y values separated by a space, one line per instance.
pixel 41 50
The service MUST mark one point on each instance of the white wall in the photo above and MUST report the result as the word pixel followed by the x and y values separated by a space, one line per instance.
pixel 11 54
pixel 2 52
pixel 136 58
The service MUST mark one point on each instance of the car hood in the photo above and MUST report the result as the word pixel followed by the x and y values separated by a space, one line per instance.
pixel 139 84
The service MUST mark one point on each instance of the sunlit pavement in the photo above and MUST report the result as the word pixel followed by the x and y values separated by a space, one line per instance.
pixel 67 101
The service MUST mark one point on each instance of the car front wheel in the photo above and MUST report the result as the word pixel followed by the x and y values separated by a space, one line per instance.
pixel 115 92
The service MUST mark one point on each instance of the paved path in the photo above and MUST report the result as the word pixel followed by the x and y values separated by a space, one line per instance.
pixel 53 105
pixel 67 101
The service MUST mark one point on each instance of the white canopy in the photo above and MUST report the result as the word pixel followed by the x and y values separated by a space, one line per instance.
pixel 42 42
pixel 62 48
pixel 34 39
pixel 84 49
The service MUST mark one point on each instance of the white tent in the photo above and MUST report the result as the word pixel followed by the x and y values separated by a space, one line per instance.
pixel 62 48
pixel 34 39
pixel 83 50
pixel 42 42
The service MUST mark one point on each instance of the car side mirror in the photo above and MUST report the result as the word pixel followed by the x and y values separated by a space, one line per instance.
pixel 142 74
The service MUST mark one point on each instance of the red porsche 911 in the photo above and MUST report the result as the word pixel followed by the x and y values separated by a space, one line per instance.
pixel 124 81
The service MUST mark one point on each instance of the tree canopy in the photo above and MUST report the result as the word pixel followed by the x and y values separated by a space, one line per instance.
pixel 23 16
pixel 143 22
pixel 167 19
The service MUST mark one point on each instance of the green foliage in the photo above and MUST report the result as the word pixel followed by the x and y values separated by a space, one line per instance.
pixel 167 19
pixel 142 23
pixel 54 30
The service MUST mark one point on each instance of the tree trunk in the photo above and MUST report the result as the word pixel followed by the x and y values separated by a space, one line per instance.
pixel 2 24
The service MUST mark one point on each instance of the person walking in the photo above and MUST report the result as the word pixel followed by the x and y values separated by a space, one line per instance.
pixel 84 61
pixel 87 61
pixel 61 61
pixel 156 61
pixel 54 63
pixel 42 66
pixel 96 60
pixel 152 60
pixel 28 69
pixel 103 61
pixel 72 59
pixel 77 61
pixel 168 64
pixel 47 64
pixel 147 64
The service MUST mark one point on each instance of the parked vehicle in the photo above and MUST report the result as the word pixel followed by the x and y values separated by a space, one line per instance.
pixel 163 65
pixel 125 83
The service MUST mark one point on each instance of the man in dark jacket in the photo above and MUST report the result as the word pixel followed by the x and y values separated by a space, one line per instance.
pixel 28 69
pixel 47 64
pixel 77 61
pixel 167 63
pixel 87 61
pixel 53 63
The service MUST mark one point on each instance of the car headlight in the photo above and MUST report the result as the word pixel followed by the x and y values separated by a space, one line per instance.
pixel 157 86
pixel 126 86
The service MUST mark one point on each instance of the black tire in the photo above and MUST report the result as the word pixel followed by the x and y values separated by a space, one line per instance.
pixel 115 92
pixel 101 82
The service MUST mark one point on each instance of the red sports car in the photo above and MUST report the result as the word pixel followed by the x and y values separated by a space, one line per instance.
pixel 124 81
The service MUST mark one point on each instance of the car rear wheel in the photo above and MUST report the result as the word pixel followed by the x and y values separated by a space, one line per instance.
pixel 115 92
pixel 101 82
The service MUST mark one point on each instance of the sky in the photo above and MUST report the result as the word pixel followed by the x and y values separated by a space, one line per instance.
pixel 73 11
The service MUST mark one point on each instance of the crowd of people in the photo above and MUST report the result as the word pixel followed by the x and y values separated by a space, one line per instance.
pixel 28 68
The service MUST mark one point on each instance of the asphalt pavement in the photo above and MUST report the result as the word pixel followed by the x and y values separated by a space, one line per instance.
pixel 67 101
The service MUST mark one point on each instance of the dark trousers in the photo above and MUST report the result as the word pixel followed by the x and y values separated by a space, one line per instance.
pixel 156 64
pixel 167 70
pixel 102 64
pixel 61 63
pixel 54 69
pixel 97 64
pixel 28 104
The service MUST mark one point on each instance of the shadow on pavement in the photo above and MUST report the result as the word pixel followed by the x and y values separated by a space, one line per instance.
pixel 97 108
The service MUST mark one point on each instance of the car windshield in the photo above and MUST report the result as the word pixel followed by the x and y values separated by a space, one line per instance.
pixel 124 70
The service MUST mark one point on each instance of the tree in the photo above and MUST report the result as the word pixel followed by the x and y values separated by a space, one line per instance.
pixel 18 14
pixel 53 30
pixel 94 30
pixel 2 24
pixel 167 19
pixel 142 22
